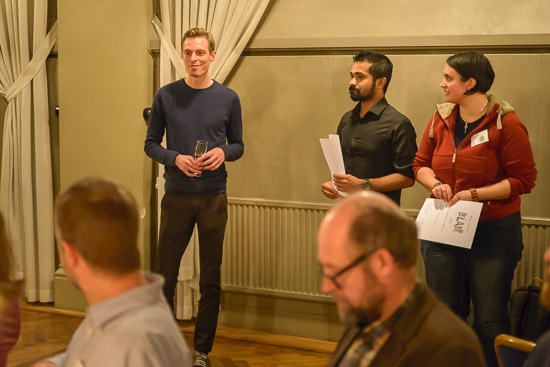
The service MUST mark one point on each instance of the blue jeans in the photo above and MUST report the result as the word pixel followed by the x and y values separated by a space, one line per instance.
pixel 177 221
pixel 483 274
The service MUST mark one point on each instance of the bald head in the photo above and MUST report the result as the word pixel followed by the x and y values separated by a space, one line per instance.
pixel 367 221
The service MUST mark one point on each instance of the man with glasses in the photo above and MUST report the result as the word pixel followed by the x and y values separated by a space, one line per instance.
pixel 367 252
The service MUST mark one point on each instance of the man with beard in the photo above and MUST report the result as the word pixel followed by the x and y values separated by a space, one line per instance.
pixel 378 142
pixel 540 357
pixel 367 251
pixel 128 322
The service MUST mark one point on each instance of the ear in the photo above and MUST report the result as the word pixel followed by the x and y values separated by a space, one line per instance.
pixel 212 55
pixel 382 263
pixel 381 82
pixel 471 83
pixel 72 257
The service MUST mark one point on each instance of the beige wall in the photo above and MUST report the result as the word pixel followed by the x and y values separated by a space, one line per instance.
pixel 293 83
pixel 351 23
pixel 105 81
pixel 291 101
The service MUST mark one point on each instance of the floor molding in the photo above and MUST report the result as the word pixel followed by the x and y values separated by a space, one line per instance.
pixel 188 327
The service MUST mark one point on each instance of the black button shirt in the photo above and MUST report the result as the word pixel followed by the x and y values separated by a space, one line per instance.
pixel 381 143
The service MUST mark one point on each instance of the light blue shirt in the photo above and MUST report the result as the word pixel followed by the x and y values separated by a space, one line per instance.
pixel 133 329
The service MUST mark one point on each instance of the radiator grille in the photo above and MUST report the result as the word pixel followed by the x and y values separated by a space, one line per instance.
pixel 270 247
pixel 536 238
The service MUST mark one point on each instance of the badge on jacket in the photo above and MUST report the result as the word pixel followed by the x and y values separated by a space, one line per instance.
pixel 480 138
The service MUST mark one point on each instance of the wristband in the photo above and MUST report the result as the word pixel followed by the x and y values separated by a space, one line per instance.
pixel 437 184
pixel 473 191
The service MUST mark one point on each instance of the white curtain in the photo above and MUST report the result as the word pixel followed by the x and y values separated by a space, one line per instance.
pixel 26 190
pixel 232 23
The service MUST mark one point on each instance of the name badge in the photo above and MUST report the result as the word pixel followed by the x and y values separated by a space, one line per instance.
pixel 480 138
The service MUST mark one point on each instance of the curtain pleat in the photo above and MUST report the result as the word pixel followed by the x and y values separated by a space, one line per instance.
pixel 42 152
pixel 26 189
pixel 232 23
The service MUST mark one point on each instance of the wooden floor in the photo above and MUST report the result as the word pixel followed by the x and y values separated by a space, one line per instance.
pixel 46 331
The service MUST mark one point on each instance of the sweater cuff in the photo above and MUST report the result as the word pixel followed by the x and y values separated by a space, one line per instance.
pixel 172 159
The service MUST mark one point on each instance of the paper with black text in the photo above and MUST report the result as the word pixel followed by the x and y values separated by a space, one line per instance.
pixel 333 155
pixel 452 225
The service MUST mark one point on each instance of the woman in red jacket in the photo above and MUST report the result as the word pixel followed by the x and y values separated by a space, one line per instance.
pixel 476 148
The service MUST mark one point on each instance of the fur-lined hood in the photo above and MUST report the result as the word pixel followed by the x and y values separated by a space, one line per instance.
pixel 445 109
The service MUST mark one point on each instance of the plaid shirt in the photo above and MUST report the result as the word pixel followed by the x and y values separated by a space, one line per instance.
pixel 369 341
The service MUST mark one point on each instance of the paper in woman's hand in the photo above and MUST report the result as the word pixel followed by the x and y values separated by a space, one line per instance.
pixel 452 225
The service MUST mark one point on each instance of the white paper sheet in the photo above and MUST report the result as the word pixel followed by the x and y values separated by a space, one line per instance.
pixel 452 225
pixel 333 155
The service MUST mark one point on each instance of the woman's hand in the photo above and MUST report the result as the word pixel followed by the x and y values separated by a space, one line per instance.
pixel 443 192
pixel 464 195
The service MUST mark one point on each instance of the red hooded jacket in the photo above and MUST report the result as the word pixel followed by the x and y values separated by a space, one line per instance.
pixel 506 154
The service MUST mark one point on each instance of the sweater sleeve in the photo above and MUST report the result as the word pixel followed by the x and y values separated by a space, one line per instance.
pixel 234 149
pixel 516 155
pixel 155 133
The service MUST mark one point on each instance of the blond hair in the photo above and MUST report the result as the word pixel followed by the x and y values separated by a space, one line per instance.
pixel 200 32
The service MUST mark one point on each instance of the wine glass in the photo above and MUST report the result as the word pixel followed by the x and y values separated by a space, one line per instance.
pixel 200 149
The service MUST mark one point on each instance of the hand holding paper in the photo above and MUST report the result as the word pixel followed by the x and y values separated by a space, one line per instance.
pixel 453 225
pixel 333 155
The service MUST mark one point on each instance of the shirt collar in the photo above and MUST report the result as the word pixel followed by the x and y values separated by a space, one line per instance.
pixel 102 313
pixel 377 109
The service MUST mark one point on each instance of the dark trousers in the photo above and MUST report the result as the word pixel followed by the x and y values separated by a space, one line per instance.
pixel 484 273
pixel 178 218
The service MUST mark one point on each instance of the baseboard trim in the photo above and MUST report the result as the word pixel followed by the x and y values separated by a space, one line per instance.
pixel 222 332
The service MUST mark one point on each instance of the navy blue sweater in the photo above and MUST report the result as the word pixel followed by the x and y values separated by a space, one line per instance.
pixel 187 115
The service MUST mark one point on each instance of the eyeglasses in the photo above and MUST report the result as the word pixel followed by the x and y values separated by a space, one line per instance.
pixel 353 264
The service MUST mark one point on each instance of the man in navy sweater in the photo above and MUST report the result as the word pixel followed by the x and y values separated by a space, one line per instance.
pixel 191 109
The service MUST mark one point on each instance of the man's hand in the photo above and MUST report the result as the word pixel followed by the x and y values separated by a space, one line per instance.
pixel 329 191
pixel 347 183
pixel 188 165
pixel 212 159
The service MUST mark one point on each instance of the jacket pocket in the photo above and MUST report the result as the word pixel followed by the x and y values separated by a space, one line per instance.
pixel 470 171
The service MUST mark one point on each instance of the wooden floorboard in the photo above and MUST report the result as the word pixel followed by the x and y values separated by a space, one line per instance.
pixel 46 331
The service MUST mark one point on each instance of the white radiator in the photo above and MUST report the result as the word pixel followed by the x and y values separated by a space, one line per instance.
pixel 536 239
pixel 271 248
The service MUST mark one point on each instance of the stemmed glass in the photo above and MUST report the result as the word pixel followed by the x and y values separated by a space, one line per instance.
pixel 200 149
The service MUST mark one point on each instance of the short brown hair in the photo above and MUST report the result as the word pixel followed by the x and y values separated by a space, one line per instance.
pixel 200 32
pixel 377 226
pixel 98 217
